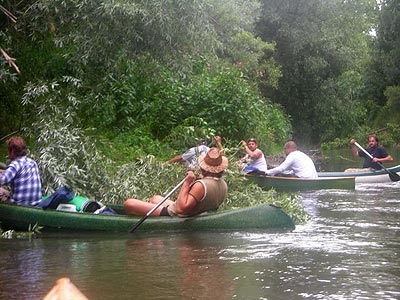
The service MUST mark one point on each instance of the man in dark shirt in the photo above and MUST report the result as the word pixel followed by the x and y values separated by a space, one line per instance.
pixel 378 153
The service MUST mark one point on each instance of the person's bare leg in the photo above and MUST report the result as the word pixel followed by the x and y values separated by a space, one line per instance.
pixel 157 198
pixel 137 207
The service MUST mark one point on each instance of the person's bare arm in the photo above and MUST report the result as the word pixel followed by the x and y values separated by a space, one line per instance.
pixel 354 148
pixel 218 140
pixel 388 158
pixel 177 158
pixel 189 195
pixel 252 154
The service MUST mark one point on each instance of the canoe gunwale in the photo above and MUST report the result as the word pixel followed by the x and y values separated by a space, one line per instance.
pixel 295 184
pixel 263 216
pixel 359 173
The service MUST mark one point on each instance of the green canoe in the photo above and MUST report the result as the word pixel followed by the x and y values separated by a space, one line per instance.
pixel 293 184
pixel 268 217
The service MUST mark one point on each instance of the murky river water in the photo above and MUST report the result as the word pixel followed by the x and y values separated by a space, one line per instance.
pixel 350 249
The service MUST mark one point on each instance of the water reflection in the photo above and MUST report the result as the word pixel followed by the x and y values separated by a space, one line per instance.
pixel 350 249
pixel 22 257
pixel 199 273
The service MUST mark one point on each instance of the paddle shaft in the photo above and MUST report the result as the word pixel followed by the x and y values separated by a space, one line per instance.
pixel 393 176
pixel 133 228
pixel 8 135
pixel 369 154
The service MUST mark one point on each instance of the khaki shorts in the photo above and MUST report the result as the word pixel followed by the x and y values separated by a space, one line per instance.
pixel 172 210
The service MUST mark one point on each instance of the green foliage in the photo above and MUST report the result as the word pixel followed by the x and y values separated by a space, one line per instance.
pixel 317 42
pixel 189 132
pixel 141 179
pixel 390 112
pixel 384 122
pixel 182 108
pixel 233 107
pixel 223 98
pixel 129 146
pixel 147 176
pixel 155 76
pixel 95 32
pixel 388 136
pixel 65 155
pixel 248 52
pixel 386 66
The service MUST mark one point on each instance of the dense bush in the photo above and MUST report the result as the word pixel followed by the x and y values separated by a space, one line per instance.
pixel 146 94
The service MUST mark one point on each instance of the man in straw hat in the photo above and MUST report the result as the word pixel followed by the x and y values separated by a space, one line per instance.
pixel 196 195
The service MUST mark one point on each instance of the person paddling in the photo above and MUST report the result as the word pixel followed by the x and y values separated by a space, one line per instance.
pixel 254 161
pixel 297 163
pixel 378 153
pixel 195 196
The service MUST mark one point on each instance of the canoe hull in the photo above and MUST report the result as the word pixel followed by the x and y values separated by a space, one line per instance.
pixel 375 176
pixel 292 184
pixel 263 216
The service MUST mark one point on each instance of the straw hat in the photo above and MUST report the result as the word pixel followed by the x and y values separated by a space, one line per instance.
pixel 213 161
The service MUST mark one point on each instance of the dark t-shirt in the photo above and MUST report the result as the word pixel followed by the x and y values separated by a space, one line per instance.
pixel 378 152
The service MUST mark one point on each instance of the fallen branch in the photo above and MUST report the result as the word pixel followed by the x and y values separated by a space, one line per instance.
pixel 8 14
pixel 10 60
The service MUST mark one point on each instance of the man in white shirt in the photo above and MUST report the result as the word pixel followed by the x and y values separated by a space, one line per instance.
pixel 300 164
pixel 254 159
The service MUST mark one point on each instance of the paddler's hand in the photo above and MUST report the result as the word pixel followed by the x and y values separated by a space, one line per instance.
pixel 352 141
pixel 190 177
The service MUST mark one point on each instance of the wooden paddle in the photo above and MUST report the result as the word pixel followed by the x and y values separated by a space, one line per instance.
pixel 134 227
pixel 393 176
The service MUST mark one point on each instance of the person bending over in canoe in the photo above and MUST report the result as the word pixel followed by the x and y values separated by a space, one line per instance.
pixel 378 153
pixel 254 160
pixel 22 175
pixel 195 196
pixel 191 156
pixel 298 163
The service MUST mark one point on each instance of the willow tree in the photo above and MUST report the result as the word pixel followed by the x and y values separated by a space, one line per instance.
pixel 321 46
pixel 135 59
pixel 385 68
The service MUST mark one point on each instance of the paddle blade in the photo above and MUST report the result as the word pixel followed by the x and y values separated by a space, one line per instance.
pixel 394 176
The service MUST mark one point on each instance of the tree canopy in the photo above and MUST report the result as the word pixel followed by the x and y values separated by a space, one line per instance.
pixel 136 78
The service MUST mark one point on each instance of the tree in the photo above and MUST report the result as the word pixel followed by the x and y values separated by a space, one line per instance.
pixel 385 68
pixel 317 42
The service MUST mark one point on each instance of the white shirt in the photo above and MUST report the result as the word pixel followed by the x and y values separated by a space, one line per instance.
pixel 191 156
pixel 301 165
pixel 259 163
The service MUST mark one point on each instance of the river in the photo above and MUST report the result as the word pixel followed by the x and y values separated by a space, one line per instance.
pixel 350 249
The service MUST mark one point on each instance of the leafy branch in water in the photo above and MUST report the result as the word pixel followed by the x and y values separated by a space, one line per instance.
pixel 68 156
pixel 32 232
pixel 65 155
pixel 242 194
pixel 147 177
